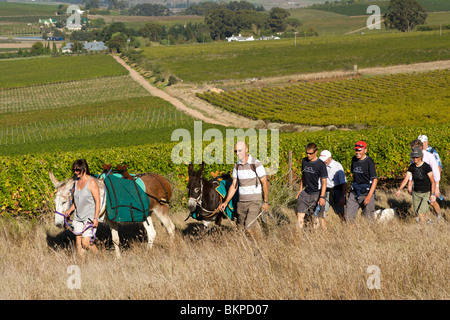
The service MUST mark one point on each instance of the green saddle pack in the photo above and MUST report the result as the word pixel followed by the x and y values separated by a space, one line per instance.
pixel 126 200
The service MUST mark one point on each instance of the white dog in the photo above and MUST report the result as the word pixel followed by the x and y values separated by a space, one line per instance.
pixel 384 215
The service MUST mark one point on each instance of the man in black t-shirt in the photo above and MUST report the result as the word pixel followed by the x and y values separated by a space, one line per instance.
pixel 313 169
pixel 365 181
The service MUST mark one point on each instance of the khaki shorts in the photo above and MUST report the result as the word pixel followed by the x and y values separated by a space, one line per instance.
pixel 79 226
pixel 420 202
pixel 247 212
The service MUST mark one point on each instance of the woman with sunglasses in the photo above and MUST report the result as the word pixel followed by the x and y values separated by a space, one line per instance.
pixel 424 184
pixel 86 204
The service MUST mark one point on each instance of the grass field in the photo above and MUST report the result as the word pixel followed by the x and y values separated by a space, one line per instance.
pixel 360 7
pixel 222 61
pixel 284 264
pixel 37 71
pixel 26 9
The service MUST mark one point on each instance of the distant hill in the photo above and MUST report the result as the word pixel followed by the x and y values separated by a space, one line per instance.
pixel 360 7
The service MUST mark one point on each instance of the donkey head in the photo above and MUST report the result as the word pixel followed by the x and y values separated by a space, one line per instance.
pixel 63 198
pixel 195 186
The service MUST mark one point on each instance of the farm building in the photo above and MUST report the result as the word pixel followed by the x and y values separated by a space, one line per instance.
pixel 269 38
pixel 47 22
pixel 240 38
pixel 89 46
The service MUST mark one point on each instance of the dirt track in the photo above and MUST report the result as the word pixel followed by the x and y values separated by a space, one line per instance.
pixel 183 97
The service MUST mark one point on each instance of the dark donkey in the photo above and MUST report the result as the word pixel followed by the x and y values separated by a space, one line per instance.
pixel 204 200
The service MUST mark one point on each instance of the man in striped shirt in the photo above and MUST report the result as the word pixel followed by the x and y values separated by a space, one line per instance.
pixel 251 178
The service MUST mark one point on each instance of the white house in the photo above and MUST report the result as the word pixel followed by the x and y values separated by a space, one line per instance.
pixel 47 22
pixel 89 46
pixel 239 38
pixel 269 38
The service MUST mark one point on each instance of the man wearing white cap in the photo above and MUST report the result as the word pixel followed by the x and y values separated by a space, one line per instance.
pixel 431 150
pixel 336 184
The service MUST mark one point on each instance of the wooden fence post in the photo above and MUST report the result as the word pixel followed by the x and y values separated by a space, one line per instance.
pixel 290 167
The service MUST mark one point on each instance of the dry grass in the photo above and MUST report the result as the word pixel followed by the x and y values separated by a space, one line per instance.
pixel 224 264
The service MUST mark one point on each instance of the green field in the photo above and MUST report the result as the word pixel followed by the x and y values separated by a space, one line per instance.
pixel 26 9
pixel 37 71
pixel 224 61
pixel 392 100
pixel 353 9
pixel 360 7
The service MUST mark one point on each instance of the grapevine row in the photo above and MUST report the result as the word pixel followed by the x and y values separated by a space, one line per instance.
pixel 374 101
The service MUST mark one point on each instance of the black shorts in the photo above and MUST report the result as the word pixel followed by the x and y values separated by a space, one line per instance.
pixel 307 203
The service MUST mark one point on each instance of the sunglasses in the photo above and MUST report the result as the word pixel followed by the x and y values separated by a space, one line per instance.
pixel 311 152
pixel 77 170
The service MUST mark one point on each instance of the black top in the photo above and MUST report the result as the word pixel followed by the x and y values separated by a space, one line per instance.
pixel 420 177
pixel 312 172
pixel 363 170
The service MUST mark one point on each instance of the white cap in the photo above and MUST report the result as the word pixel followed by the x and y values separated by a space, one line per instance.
pixel 422 138
pixel 324 155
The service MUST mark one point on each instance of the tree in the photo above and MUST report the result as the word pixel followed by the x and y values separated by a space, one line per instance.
pixel 37 48
pixel 77 46
pixel 404 15
pixel 114 27
pixel 117 42
pixel 222 23
pixel 148 9
pixel 277 19
pixel 152 31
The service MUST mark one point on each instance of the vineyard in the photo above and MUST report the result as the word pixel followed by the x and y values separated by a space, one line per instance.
pixel 99 106
pixel 26 189
pixel 391 100
pixel 67 94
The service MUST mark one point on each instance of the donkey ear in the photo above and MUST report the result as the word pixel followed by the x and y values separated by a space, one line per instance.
pixel 199 172
pixel 190 168
pixel 53 179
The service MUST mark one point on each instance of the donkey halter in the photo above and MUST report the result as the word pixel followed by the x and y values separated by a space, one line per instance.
pixel 199 203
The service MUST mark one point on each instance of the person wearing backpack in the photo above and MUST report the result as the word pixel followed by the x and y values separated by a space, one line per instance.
pixel 251 178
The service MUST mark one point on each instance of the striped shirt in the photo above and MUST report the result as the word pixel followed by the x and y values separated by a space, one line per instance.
pixel 249 184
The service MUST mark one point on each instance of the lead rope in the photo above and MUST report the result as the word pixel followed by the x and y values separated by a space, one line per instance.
pixel 89 225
